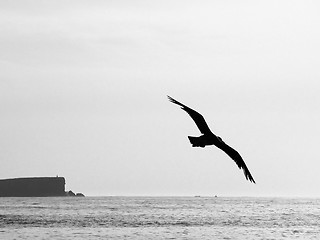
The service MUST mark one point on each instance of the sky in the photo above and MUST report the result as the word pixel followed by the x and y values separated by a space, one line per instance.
pixel 83 88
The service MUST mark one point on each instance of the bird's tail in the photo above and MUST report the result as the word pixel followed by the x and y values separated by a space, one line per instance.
pixel 196 141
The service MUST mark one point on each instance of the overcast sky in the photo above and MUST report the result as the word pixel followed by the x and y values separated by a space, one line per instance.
pixel 83 88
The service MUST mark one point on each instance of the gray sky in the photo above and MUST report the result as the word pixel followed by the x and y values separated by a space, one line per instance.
pixel 83 88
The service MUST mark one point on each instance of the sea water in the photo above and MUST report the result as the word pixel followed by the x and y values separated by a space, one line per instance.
pixel 159 218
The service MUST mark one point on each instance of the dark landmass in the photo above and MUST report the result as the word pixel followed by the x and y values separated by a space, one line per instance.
pixel 35 187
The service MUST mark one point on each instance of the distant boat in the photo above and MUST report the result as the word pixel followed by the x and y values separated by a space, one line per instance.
pixel 208 138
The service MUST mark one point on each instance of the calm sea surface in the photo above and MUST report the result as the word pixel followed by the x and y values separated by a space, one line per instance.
pixel 159 218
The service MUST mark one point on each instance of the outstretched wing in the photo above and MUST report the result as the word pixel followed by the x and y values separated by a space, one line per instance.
pixel 197 117
pixel 238 160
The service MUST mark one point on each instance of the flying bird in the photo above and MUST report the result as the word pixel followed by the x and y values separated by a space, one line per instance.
pixel 208 138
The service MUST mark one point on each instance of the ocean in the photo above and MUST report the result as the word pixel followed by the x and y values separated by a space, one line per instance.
pixel 159 218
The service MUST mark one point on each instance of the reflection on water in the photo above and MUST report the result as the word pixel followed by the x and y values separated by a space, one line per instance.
pixel 159 218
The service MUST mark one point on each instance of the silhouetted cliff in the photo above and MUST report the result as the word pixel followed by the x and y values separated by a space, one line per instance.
pixel 33 187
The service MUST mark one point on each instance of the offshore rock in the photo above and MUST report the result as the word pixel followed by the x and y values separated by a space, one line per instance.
pixel 70 194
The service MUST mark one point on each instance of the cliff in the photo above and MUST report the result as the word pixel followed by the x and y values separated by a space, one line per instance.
pixel 33 187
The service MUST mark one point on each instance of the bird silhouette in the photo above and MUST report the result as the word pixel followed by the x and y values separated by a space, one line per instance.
pixel 208 138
